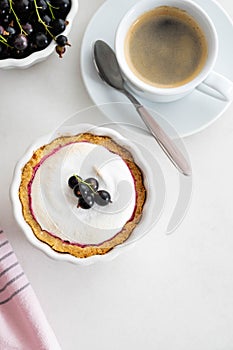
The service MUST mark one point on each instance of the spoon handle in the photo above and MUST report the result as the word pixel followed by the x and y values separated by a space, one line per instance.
pixel 168 146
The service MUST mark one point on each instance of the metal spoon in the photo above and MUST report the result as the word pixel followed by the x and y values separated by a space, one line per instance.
pixel 109 71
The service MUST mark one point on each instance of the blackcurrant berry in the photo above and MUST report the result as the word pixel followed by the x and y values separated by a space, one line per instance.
pixel 27 27
pixel 41 40
pixel 63 5
pixel 62 40
pixel 58 26
pixel 81 190
pixel 84 189
pixel 4 4
pixel 93 183
pixel 20 42
pixel 22 6
pixel 77 192
pixel 73 181
pixel 42 5
pixel 46 19
pixel 102 198
pixel 87 202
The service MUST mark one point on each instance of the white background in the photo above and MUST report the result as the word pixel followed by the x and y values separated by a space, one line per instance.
pixel 167 292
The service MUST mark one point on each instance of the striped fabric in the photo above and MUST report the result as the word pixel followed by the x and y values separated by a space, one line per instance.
pixel 23 325
pixel 12 278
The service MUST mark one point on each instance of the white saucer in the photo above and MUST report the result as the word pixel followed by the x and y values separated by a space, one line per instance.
pixel 189 115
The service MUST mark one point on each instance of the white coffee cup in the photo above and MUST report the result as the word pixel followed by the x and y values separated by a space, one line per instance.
pixel 208 81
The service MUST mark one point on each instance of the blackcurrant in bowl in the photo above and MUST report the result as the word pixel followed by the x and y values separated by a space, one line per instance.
pixel 31 30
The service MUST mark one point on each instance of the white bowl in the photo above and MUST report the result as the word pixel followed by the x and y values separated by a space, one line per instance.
pixel 150 207
pixel 41 55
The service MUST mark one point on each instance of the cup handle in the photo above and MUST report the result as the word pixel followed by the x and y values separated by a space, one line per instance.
pixel 217 86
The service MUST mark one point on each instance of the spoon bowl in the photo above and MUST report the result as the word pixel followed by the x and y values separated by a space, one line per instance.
pixel 108 72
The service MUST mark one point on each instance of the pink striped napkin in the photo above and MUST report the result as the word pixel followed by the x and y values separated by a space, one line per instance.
pixel 23 325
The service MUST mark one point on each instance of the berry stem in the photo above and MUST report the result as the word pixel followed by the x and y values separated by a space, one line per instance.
pixel 41 21
pixel 4 41
pixel 16 17
pixel 84 182
pixel 51 8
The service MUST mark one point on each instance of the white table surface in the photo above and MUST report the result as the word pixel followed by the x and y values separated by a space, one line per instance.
pixel 168 292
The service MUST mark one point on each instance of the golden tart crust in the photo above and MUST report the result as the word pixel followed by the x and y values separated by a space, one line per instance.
pixel 55 242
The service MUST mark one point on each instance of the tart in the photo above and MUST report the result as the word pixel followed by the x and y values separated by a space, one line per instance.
pixel 51 210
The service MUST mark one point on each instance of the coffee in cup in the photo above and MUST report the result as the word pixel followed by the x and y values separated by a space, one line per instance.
pixel 165 47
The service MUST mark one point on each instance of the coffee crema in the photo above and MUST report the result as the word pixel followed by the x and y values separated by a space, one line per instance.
pixel 165 47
